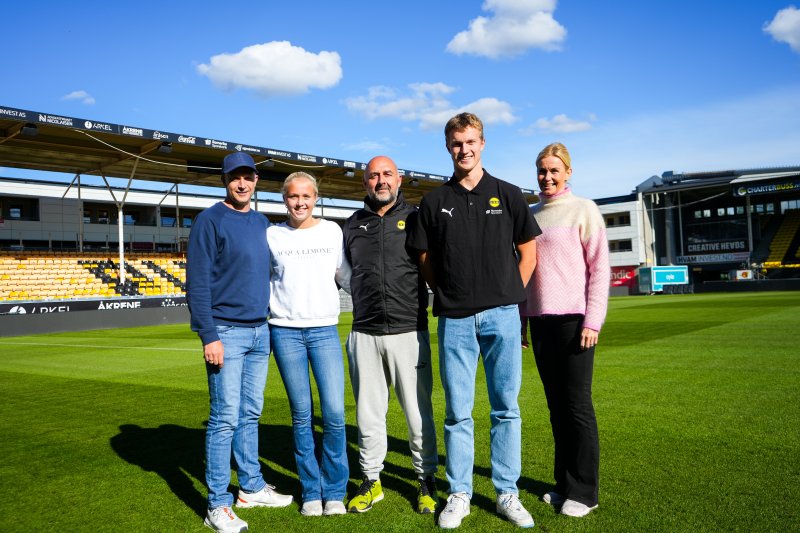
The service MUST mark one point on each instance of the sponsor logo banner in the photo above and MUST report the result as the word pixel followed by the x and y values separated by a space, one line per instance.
pixel 623 276
pixel 793 184
pixel 713 258
pixel 136 132
pixel 41 308
pixel 99 126
pixel 56 120
pixel 250 149
pixel 11 112
pixel 715 247
pixel 221 145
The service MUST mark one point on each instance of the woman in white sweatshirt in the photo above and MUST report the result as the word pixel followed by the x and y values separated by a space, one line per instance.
pixel 306 261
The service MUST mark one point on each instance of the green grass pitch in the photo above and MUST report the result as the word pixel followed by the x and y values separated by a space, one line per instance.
pixel 697 398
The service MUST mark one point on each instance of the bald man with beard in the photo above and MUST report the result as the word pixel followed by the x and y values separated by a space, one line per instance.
pixel 389 345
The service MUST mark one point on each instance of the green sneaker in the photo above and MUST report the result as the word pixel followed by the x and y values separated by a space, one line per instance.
pixel 369 492
pixel 426 496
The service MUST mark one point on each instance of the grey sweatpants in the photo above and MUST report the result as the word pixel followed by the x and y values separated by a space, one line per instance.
pixel 402 361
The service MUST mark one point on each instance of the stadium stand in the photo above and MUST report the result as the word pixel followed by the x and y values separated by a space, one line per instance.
pixel 38 275
pixel 781 244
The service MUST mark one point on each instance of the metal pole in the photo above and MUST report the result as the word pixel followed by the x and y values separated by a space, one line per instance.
pixel 80 215
pixel 121 246
pixel 749 226
pixel 680 222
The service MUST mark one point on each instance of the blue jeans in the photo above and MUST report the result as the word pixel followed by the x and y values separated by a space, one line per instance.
pixel 495 334
pixel 323 473
pixel 236 392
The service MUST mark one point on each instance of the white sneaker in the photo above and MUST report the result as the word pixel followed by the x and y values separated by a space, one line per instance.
pixel 553 498
pixel 311 508
pixel 333 508
pixel 266 497
pixel 454 512
pixel 224 520
pixel 576 509
pixel 508 505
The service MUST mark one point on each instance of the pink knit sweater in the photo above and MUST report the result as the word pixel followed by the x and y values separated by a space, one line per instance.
pixel 572 274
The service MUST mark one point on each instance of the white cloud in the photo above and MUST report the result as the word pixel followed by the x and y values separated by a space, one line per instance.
pixel 427 104
pixel 785 27
pixel 562 124
pixel 83 96
pixel 274 68
pixel 515 26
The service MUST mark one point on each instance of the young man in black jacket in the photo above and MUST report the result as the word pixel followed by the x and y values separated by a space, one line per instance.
pixel 389 344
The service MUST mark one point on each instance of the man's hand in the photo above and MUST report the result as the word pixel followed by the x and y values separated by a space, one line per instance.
pixel 214 353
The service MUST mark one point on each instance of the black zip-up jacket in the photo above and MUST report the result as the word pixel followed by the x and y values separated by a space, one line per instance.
pixel 389 294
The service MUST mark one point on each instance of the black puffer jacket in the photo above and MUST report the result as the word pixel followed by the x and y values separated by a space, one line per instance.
pixel 389 294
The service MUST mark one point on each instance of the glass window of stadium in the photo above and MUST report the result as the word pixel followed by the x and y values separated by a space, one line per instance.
pixel 789 204
pixel 20 208
pixel 624 245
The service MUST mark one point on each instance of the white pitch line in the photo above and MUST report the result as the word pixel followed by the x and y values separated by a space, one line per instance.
pixel 2 343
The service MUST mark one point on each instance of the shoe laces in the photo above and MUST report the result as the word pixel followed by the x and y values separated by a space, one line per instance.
pixel 511 502
pixel 366 486
pixel 454 501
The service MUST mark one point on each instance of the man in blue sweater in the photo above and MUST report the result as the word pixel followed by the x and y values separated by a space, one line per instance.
pixel 228 294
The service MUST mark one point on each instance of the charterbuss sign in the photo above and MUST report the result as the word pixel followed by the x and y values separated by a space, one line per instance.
pixel 792 184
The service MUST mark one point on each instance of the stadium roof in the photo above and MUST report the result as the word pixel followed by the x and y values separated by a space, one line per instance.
pixel 671 182
pixel 56 143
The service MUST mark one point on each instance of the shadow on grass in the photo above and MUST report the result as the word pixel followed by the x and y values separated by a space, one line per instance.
pixel 176 453
pixel 402 478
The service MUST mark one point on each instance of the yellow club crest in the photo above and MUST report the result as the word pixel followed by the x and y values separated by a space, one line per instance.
pixel 401 224
pixel 494 202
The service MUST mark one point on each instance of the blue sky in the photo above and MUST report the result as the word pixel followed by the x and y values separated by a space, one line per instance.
pixel 632 88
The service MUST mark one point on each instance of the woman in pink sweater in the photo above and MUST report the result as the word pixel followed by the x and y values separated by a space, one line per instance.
pixel 567 300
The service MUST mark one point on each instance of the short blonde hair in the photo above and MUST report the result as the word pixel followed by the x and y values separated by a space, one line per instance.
pixel 299 175
pixel 461 122
pixel 558 150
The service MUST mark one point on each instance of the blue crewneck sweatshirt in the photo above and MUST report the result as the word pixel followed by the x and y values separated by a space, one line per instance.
pixel 227 271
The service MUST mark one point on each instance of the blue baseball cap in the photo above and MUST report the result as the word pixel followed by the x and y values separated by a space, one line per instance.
pixel 236 160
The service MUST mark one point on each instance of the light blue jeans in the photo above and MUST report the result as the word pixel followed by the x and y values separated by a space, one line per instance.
pixel 236 392
pixel 323 473
pixel 495 334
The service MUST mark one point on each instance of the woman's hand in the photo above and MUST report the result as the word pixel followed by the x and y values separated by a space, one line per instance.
pixel 588 338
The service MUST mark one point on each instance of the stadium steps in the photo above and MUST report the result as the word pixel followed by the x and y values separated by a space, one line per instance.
pixel 768 227
pixel 37 275
pixel 782 242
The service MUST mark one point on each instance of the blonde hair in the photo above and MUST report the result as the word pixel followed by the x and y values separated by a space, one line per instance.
pixel 461 122
pixel 557 150
pixel 299 175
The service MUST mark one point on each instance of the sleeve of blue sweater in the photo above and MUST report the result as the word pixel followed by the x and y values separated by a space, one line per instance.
pixel 227 270
pixel 201 256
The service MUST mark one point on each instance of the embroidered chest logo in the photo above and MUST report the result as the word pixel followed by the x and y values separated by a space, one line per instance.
pixel 401 224
pixel 494 203
pixel 448 211
pixel 365 226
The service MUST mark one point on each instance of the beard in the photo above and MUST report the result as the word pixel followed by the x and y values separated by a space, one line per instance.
pixel 389 197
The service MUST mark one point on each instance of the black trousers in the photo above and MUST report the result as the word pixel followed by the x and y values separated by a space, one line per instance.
pixel 566 373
